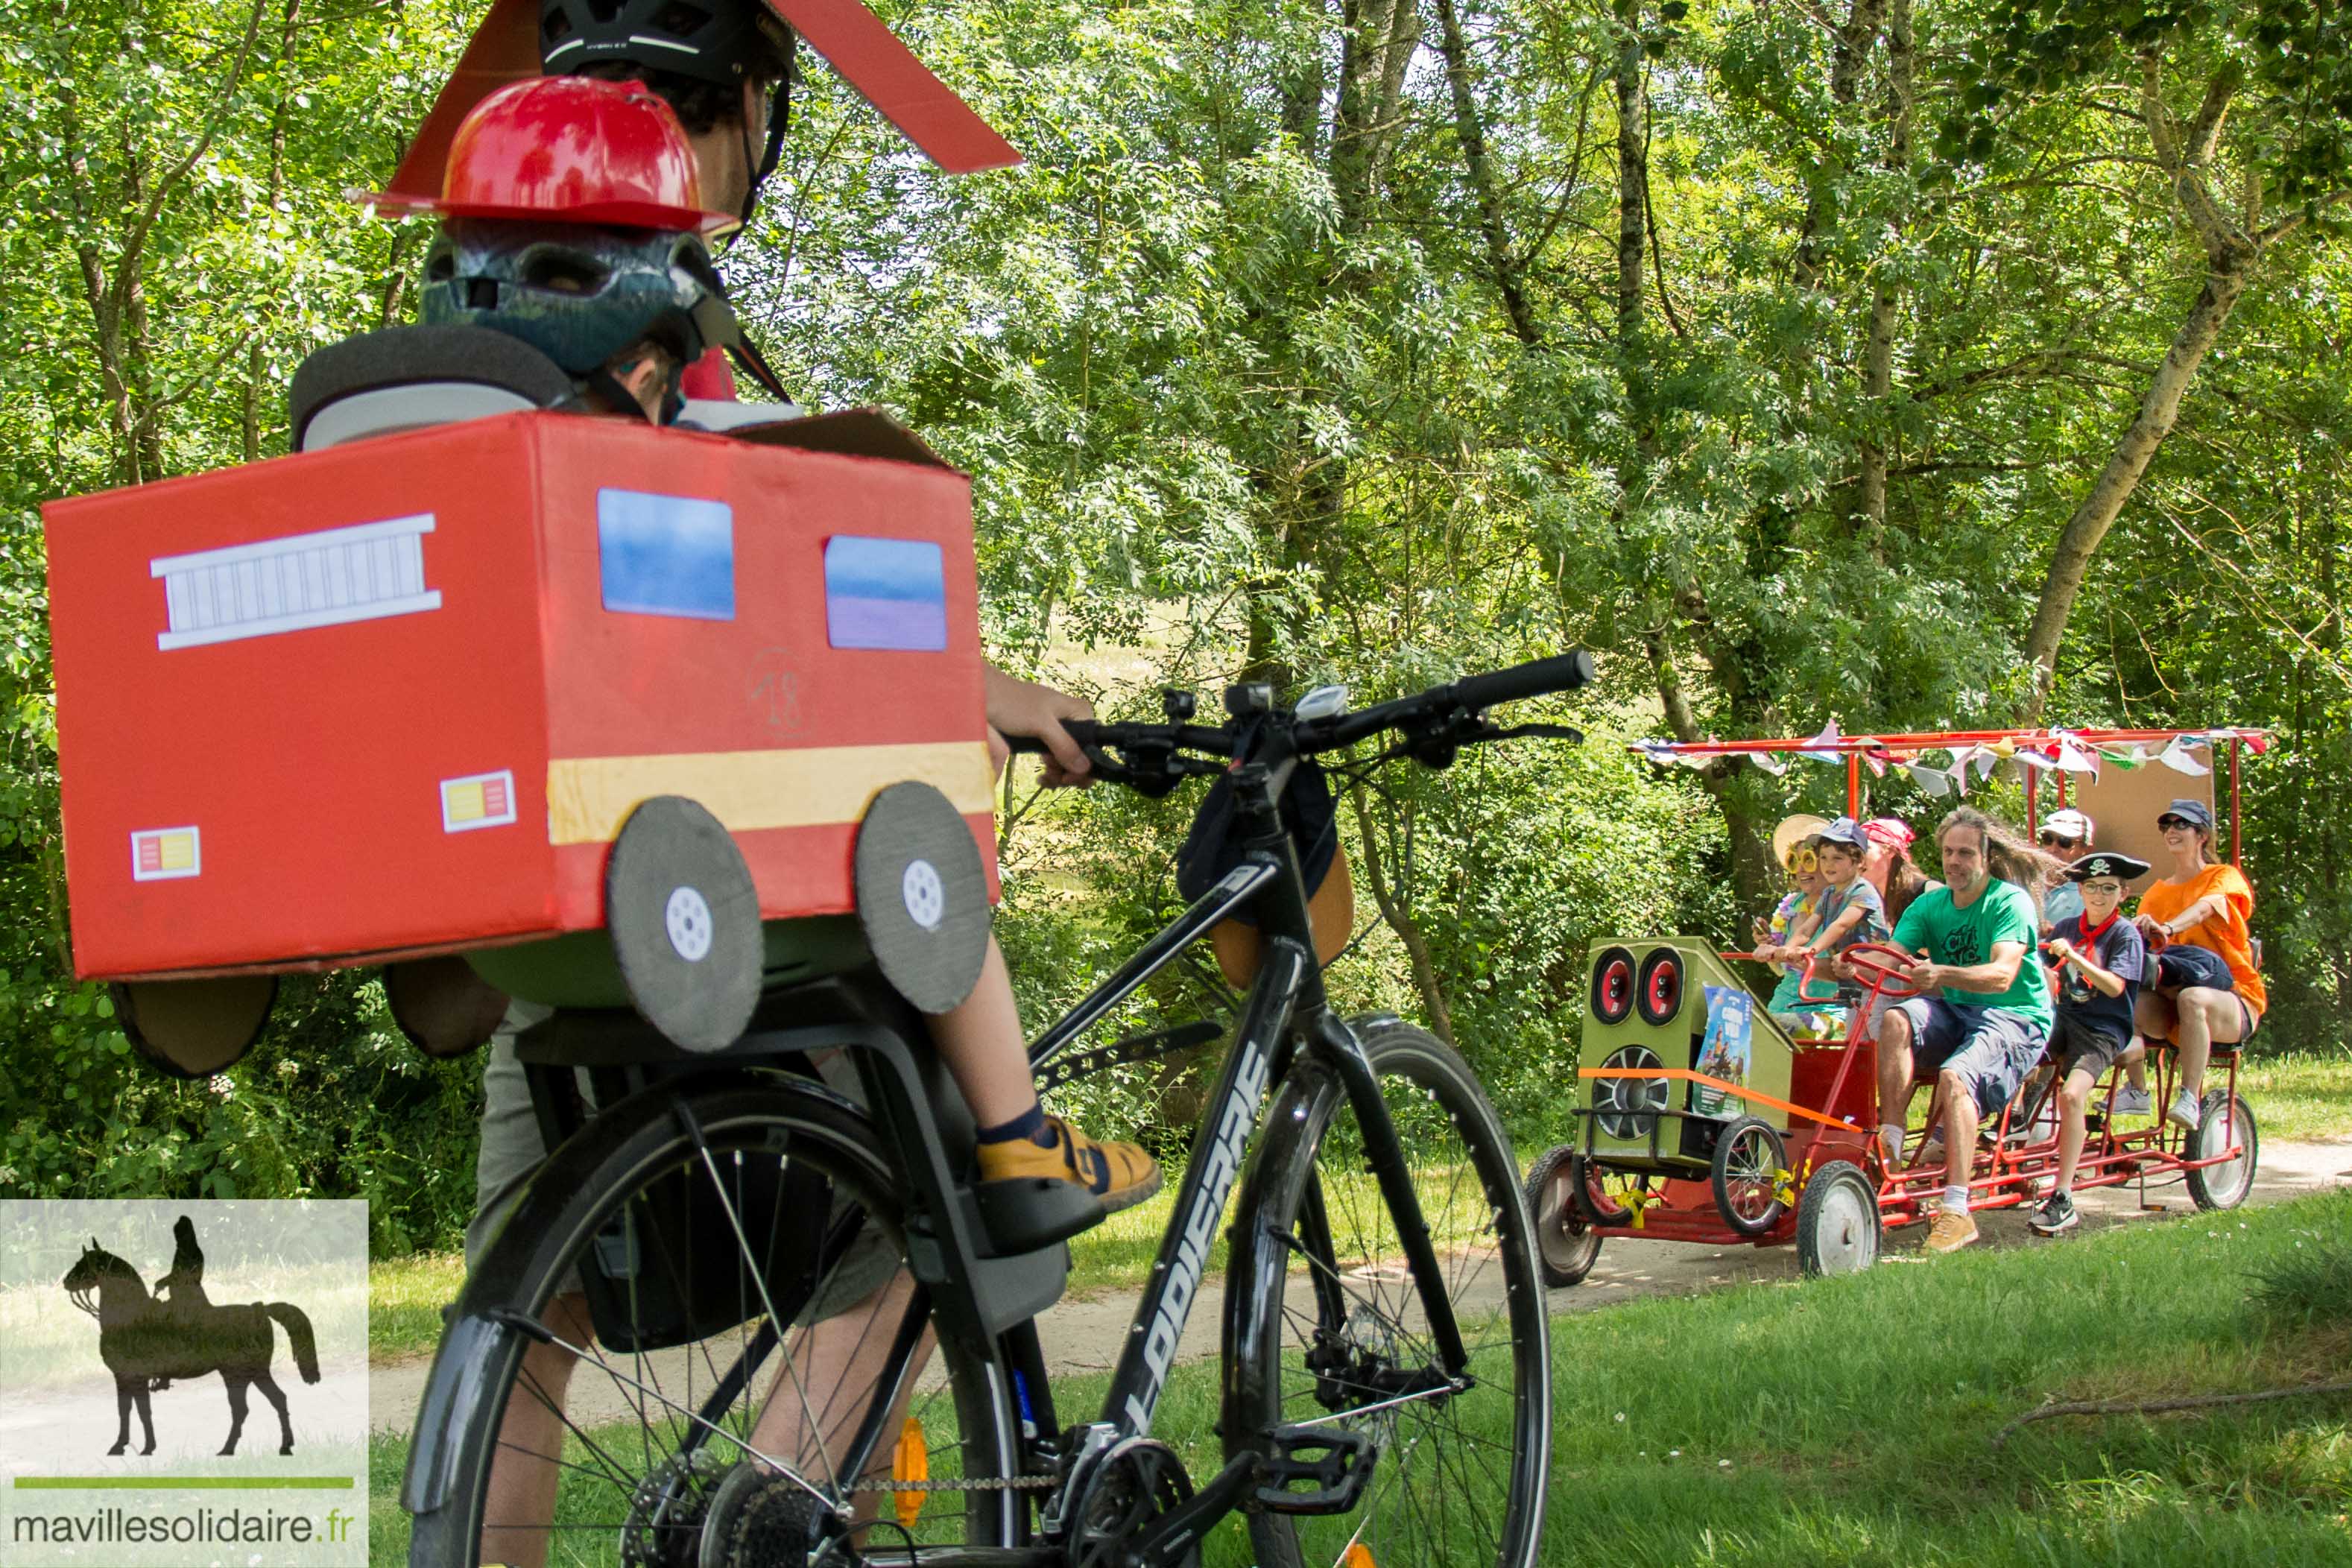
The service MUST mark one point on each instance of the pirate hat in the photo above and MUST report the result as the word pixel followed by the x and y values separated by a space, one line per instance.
pixel 2106 863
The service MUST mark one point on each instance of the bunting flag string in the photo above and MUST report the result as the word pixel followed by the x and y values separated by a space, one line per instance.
pixel 2060 751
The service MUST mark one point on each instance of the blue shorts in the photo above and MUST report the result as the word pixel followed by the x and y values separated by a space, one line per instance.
pixel 1991 1048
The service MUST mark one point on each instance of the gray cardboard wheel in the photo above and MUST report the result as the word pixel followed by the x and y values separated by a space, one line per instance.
pixel 442 1006
pixel 684 918
pixel 922 896
pixel 194 1028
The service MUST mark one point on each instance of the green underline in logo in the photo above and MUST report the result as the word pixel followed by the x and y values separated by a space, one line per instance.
pixel 185 1483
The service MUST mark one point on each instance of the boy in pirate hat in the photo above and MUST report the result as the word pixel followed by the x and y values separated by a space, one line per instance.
pixel 2099 960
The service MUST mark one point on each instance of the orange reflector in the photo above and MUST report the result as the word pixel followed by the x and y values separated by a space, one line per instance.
pixel 911 1461
pixel 1357 1555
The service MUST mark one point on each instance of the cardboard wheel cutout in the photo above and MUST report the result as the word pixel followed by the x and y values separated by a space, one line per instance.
pixel 1613 985
pixel 194 1028
pixel 684 923
pixel 1658 989
pixel 922 896
pixel 442 1006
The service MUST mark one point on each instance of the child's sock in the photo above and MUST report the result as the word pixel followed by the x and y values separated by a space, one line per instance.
pixel 1955 1199
pixel 1029 1124
pixel 1890 1136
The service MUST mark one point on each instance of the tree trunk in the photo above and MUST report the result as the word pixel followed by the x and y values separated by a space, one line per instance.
pixel 1878 348
pixel 2158 409
pixel 1400 919
pixel 1847 55
pixel 1471 134
pixel 254 359
pixel 1632 176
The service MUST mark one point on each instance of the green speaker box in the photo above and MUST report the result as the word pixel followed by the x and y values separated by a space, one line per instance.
pixel 1647 1007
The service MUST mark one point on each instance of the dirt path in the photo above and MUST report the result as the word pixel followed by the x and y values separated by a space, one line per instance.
pixel 1085 1334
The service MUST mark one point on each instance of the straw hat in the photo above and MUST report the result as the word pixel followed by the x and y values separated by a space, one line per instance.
pixel 1793 832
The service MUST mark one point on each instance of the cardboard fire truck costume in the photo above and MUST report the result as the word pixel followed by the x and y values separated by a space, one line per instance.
pixel 400 697
pixel 624 715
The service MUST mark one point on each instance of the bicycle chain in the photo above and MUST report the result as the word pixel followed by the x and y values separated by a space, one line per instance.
pixel 986 1484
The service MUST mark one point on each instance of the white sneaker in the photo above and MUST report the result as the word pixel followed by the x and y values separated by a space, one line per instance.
pixel 2184 1111
pixel 2130 1102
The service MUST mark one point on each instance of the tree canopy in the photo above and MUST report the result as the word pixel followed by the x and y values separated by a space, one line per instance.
pixel 1910 363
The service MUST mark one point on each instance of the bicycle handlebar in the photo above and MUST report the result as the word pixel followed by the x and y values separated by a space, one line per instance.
pixel 1438 720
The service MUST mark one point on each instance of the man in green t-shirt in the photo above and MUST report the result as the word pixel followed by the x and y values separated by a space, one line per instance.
pixel 1984 1015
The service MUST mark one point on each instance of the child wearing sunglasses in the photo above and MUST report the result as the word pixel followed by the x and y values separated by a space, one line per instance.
pixel 2097 962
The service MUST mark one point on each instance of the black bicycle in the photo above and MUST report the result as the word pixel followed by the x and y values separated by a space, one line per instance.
pixel 767 1264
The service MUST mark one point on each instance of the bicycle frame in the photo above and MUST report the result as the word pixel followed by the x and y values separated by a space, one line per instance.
pixel 1285 1015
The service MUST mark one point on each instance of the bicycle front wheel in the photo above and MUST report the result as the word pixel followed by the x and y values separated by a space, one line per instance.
pixel 677 1425
pixel 1339 1335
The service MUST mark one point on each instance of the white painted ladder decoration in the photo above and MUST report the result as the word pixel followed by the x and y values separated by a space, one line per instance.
pixel 337 574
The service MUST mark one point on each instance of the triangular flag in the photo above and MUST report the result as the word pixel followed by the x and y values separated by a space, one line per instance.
pixel 2074 757
pixel 1828 737
pixel 1659 752
pixel 2176 757
pixel 1695 761
pixel 1934 782
pixel 2256 741
pixel 2126 757
pixel 1877 756
pixel 1985 763
pixel 1770 764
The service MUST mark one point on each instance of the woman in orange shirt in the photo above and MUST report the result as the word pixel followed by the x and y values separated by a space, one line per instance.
pixel 2207 904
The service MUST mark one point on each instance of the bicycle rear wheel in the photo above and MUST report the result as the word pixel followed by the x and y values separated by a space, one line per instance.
pixel 681 1443
pixel 1338 1329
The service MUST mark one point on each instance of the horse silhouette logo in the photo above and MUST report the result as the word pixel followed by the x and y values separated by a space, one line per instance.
pixel 147 1341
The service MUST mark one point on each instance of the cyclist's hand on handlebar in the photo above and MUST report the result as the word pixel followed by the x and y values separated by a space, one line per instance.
pixel 1025 708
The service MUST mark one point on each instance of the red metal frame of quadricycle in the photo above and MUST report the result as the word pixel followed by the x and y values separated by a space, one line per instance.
pixel 1854 748
pixel 1684 1209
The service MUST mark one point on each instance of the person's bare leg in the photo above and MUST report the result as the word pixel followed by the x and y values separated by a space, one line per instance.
pixel 1894 1082
pixel 2075 1104
pixel 982 1043
pixel 520 1504
pixel 2208 1018
pixel 1960 1127
pixel 839 1363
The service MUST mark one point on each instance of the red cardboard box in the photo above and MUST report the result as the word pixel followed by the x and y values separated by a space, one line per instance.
pixel 395 697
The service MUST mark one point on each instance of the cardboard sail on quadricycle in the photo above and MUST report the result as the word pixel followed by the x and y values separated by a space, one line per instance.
pixel 598 706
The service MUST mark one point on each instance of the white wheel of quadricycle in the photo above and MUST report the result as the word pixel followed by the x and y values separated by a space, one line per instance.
pixel 684 918
pixel 1566 1243
pixel 1838 1228
pixel 2224 1121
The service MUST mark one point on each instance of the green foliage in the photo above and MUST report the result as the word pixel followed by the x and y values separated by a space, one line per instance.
pixel 1233 366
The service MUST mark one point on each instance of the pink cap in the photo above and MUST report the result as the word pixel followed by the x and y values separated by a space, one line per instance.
pixel 1892 831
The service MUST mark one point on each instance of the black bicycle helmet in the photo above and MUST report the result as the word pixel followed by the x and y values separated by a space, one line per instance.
pixel 717 43
pixel 710 40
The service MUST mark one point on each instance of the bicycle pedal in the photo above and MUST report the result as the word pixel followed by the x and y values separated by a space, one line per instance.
pixel 1338 1464
pixel 1022 1214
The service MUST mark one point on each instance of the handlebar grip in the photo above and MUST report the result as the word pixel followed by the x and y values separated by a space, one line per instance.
pixel 1564 672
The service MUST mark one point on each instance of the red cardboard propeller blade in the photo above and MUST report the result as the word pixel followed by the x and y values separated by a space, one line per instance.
pixel 886 74
pixel 504 48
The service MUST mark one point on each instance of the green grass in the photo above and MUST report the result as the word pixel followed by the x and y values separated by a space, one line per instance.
pixel 1851 1421
pixel 2300 1095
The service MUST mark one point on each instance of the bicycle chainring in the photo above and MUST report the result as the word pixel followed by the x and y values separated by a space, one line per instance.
pixel 1134 1485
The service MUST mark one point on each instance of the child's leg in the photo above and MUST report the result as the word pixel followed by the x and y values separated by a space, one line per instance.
pixel 982 1043
pixel 2074 1101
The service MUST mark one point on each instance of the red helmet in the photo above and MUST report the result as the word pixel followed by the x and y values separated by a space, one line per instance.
pixel 572 150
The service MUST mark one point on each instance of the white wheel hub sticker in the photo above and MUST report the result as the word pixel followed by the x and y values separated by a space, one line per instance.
pixel 687 918
pixel 925 895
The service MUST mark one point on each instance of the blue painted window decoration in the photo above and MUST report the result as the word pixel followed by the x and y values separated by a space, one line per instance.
pixel 885 594
pixel 667 555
